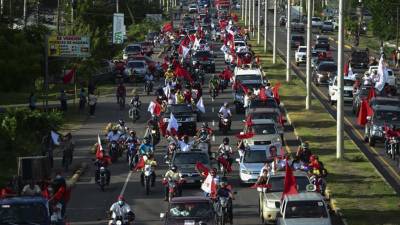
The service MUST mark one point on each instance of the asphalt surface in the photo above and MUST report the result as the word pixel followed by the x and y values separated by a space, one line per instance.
pixel 388 168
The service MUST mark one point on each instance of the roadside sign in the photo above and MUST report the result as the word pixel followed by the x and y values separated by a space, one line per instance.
pixel 118 28
pixel 69 46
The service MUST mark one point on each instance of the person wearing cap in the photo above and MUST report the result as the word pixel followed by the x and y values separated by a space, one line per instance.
pixel 113 135
pixel 121 209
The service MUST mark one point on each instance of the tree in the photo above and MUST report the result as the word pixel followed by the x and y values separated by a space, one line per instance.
pixel 384 19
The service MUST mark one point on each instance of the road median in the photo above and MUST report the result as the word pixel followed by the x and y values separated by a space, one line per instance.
pixel 356 189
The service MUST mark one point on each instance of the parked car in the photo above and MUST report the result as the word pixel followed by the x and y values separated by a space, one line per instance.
pixel 382 115
pixel 300 55
pixel 316 22
pixel 270 198
pixel 324 72
pixel 347 92
pixel 297 26
pixel 202 211
pixel 304 208
pixel 186 117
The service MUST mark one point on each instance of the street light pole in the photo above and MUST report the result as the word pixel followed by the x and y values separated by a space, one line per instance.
pixel 288 32
pixel 340 102
pixel 265 24
pixel 308 56
pixel 250 15
pixel 24 13
pixel 117 5
pixel 254 18
pixel 397 32
pixel 274 38
pixel 258 21
pixel 245 11
pixel 242 8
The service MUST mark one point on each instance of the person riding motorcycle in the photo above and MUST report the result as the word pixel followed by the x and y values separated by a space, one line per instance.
pixel 121 93
pixel 102 162
pixel 226 149
pixel 225 192
pixel 121 210
pixel 149 160
pixel 169 75
pixel 200 75
pixel 204 135
pixel 170 150
pixel 214 84
pixel 185 145
pixel 122 129
pixel 225 113
pixel 135 101
pixel 172 175
pixel 133 141
pixel 146 147
pixel 148 79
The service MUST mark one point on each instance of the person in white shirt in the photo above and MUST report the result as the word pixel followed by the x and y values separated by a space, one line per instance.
pixel 185 145
pixel 121 209
pixel 113 135
pixel 31 189
pixel 225 113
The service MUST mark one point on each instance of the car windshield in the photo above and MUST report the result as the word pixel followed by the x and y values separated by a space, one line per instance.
pixel 305 209
pixel 136 64
pixel 387 116
pixel 255 156
pixel 132 48
pixel 192 209
pixel 328 23
pixel 202 54
pixel 250 77
pixel 322 40
pixel 263 129
pixel 269 103
pixel 23 213
pixel 316 19
pixel 180 109
pixel 297 38
pixel 359 55
pixel 302 49
pixel 265 115
pixel 249 86
pixel 239 44
pixel 328 67
pixel 191 158
pixel 277 183
pixel 349 82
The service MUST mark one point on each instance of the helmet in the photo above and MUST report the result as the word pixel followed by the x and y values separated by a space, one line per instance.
pixel 204 125
pixel 226 104
pixel 222 183
pixel 121 122
pixel 132 132
pixel 174 168
pixel 225 140
pixel 304 145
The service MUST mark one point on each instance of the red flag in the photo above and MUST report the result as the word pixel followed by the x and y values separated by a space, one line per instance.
pixel 69 76
pixel 235 17
pixel 290 185
pixel 281 120
pixel 275 91
pixel 167 27
pixel 245 135
pixel 213 188
pixel 364 111
pixel 258 60
pixel 181 72
pixel 371 93
pixel 262 95
pixel 99 149
pixel 225 163
pixel 261 186
pixel 244 88
pixel 140 164
pixel 202 169
pixel 163 127
pixel 249 121
pixel 157 109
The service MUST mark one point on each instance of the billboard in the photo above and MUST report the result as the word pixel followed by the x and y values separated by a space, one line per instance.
pixel 118 28
pixel 69 46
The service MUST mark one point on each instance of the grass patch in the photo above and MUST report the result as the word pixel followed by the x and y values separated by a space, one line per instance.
pixel 361 193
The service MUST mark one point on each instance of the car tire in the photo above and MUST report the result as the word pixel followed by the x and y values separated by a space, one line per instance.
pixel 371 141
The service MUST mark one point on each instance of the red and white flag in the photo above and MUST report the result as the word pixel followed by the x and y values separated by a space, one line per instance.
pixel 173 126
pixel 99 148
pixel 154 108
pixel 69 76
pixel 210 186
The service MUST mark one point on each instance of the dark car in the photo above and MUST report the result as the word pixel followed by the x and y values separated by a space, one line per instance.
pixel 186 163
pixel 186 117
pixel 204 58
pixel 359 59
pixel 238 95
pixel 296 41
pixel 190 210
pixel 382 115
pixel 322 43
pixel 324 72
pixel 375 101
pixel 358 96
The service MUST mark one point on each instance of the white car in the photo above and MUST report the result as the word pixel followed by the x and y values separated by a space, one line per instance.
pixel 316 22
pixel 192 8
pixel 132 50
pixel 247 75
pixel 347 86
pixel 251 163
pixel 266 134
pixel 300 55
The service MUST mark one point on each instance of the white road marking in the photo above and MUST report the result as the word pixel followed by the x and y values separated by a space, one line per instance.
pixel 213 138
pixel 212 109
pixel 126 183
pixel 213 123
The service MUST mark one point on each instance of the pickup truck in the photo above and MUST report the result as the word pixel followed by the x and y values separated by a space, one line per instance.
pixel 300 55
pixel 391 77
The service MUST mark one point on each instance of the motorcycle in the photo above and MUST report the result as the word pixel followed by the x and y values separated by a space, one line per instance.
pixel 154 135
pixel 392 147
pixel 222 210
pixel 223 156
pixel 114 151
pixel 148 87
pixel 224 124
pixel 213 93
pixel 132 157
pixel 134 111
pixel 102 177
pixel 119 220
pixel 148 173
pixel 174 189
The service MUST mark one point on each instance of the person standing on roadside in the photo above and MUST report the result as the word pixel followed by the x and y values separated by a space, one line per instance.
pixel 63 100
pixel 32 101
pixel 398 57
pixel 92 103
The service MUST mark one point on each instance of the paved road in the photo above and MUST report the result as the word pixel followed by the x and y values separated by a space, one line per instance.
pixel 388 168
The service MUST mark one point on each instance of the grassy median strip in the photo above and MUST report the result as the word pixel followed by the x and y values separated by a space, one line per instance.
pixel 358 189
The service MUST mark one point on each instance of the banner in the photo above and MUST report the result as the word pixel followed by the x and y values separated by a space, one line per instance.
pixel 69 46
pixel 118 28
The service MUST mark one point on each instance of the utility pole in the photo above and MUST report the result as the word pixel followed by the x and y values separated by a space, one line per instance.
pixel 288 32
pixel 274 38
pixel 397 32
pixel 46 73
pixel 1 7
pixel 254 18
pixel 245 11
pixel 168 7
pixel 258 21
pixel 265 24
pixel 308 56
pixel 58 17
pixel 242 8
pixel 250 15
pixel 117 6
pixel 24 16
pixel 340 102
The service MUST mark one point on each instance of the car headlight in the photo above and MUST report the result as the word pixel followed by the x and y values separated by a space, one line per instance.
pixel 244 171
pixel 271 204
pixel 194 62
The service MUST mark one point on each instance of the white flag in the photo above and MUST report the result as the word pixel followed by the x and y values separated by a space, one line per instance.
pixel 185 51
pixel 99 142
pixel 382 73
pixel 200 105
pixel 172 124
pixel 55 138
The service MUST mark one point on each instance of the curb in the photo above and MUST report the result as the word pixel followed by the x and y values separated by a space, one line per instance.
pixel 75 177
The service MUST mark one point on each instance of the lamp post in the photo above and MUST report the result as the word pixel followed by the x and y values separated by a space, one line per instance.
pixel 265 24
pixel 340 102
pixel 288 32
pixel 308 56
pixel 274 38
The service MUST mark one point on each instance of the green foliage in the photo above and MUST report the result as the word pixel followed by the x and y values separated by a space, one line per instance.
pixel 21 132
pixel 136 32
pixel 384 20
